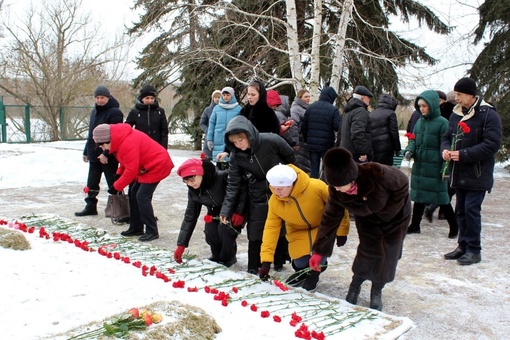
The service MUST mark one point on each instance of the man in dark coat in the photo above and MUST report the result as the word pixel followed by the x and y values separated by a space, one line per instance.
pixel 318 127
pixel 356 134
pixel 252 155
pixel 470 145
pixel 378 197
pixel 106 111
pixel 385 137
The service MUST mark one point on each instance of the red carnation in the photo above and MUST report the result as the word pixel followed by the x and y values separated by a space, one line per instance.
pixel 244 303
pixel 202 155
pixel 86 190
pixel 264 314
pixel 276 318
pixel 253 308
pixel 208 218
pixel 465 128
pixel 410 136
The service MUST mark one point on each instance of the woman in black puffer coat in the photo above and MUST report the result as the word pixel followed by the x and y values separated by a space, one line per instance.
pixel 148 117
pixel 206 187
pixel 385 137
pixel 252 155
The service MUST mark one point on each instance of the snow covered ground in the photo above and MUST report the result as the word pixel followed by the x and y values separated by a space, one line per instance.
pixel 54 287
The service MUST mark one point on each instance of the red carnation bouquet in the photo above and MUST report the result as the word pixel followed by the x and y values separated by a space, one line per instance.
pixel 462 128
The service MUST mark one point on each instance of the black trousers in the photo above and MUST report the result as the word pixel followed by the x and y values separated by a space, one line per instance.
pixel 96 169
pixel 222 240
pixel 140 205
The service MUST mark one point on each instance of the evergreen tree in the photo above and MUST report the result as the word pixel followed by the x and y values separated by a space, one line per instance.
pixel 491 68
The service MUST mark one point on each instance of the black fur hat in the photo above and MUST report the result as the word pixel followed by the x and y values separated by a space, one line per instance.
pixel 339 167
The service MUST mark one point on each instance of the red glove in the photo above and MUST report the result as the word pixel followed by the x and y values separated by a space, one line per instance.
pixel 237 220
pixel 315 262
pixel 178 253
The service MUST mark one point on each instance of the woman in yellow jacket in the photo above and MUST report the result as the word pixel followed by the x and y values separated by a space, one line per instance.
pixel 298 201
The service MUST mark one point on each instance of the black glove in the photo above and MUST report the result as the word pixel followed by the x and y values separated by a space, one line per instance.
pixel 340 240
pixel 112 191
pixel 264 271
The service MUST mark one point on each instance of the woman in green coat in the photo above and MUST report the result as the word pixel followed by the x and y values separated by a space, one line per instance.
pixel 427 185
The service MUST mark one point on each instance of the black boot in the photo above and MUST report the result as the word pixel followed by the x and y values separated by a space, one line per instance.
pixel 90 209
pixel 311 280
pixel 452 221
pixel 429 212
pixel 296 279
pixel 376 296
pixel 414 227
pixel 354 289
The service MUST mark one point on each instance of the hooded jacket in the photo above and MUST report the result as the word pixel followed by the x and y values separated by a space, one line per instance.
pixel 356 133
pixel 261 115
pixel 385 136
pixel 478 148
pixel 106 114
pixel 427 185
pixel 307 200
pixel 266 150
pixel 151 120
pixel 140 157
pixel 221 115
pixel 320 122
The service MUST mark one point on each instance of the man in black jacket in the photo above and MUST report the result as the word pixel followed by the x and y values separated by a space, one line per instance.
pixel 470 145
pixel 318 127
pixel 106 111
pixel 356 134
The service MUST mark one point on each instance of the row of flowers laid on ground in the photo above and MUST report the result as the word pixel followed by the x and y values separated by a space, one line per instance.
pixel 333 322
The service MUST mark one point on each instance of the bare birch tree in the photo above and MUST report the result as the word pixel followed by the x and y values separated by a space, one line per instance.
pixel 55 57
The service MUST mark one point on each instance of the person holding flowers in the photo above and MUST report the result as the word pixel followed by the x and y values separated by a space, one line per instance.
pixel 299 201
pixel 427 184
pixel 252 155
pixel 207 185
pixel 378 197
pixel 469 146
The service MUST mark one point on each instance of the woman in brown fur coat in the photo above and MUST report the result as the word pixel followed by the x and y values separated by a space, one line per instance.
pixel 378 197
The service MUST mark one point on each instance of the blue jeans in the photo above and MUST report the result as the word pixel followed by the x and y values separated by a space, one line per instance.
pixel 469 218
pixel 315 163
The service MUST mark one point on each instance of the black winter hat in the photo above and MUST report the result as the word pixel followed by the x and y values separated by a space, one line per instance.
pixel 441 95
pixel 363 91
pixel 465 85
pixel 101 90
pixel 339 167
pixel 148 90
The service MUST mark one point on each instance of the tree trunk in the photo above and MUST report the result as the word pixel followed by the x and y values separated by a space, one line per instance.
pixel 337 67
pixel 293 46
pixel 315 55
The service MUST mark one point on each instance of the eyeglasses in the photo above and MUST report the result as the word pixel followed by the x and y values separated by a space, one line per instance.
pixel 101 144
pixel 189 179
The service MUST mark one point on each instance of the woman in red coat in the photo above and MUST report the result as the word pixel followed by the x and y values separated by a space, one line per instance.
pixel 143 161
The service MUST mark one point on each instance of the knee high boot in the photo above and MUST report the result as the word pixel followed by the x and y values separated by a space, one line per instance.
pixel 354 289
pixel 418 209
pixel 91 204
pixel 376 296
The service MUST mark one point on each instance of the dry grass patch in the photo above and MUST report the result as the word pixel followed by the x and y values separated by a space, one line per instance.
pixel 13 239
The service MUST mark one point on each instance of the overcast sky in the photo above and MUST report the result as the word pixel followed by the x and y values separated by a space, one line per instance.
pixel 454 52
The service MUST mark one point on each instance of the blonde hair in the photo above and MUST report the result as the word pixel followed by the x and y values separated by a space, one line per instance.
pixel 302 92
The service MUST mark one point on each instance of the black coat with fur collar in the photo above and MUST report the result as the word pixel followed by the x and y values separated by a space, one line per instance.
pixel 210 194
pixel 382 211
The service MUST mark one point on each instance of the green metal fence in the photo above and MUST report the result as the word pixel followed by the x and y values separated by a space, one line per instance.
pixel 29 123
